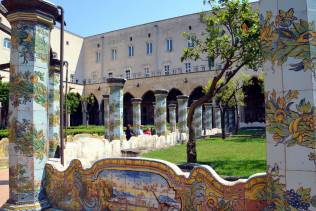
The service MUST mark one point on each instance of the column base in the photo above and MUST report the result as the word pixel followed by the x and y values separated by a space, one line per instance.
pixel 32 207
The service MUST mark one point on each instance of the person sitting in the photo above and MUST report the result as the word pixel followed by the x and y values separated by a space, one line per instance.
pixel 139 131
pixel 147 132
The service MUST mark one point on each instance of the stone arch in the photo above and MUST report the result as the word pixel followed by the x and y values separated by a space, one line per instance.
pixel 147 108
pixel 254 109
pixel 93 110
pixel 127 109
pixel 76 117
pixel 196 94
pixel 172 99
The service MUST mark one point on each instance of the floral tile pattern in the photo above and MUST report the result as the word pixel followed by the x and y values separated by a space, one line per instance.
pixel 116 113
pixel 161 114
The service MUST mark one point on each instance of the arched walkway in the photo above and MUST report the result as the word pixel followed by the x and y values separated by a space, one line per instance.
pixel 76 117
pixel 254 110
pixel 172 99
pixel 196 94
pixel 148 108
pixel 128 109
pixel 93 110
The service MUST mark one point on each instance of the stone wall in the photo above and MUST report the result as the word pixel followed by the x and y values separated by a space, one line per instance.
pixel 146 184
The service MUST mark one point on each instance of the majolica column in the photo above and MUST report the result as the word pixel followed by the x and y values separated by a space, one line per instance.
pixel 31 23
pixel 208 116
pixel 231 119
pixel 182 113
pixel 217 116
pixel 136 102
pixel 172 117
pixel 288 39
pixel 161 112
pixel 53 107
pixel 106 115
pixel 84 105
pixel 116 108
pixel 198 122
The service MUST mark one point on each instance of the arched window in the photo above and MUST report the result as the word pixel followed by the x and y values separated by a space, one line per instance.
pixel 7 43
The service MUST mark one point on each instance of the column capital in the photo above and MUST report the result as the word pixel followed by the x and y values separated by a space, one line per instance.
pixel 106 96
pixel 31 10
pixel 116 82
pixel 137 100
pixel 161 92
pixel 172 106
pixel 182 97
pixel 208 104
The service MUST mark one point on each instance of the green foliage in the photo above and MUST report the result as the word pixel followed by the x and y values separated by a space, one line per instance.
pixel 4 133
pixel 90 129
pixel 4 94
pixel 73 101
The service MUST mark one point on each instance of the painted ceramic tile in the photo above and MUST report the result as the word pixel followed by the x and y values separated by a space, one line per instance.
pixel 182 115
pixel 116 113
pixel 161 114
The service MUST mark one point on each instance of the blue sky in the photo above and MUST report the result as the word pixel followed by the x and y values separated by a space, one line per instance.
pixel 91 17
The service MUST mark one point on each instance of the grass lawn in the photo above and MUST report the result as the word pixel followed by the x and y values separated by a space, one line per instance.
pixel 240 155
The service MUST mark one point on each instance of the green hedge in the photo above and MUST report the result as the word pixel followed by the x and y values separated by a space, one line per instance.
pixel 4 133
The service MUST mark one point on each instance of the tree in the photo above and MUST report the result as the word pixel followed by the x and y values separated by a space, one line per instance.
pixel 72 103
pixel 4 99
pixel 231 39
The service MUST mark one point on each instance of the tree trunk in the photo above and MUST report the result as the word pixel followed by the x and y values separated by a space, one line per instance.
pixel 191 145
pixel 223 123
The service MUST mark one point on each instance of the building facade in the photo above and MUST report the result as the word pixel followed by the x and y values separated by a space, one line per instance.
pixel 147 55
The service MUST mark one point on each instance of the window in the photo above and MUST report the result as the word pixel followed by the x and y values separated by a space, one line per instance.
pixel 114 54
pixel 98 57
pixel 149 35
pixel 131 39
pixel 167 69
pixel 203 68
pixel 130 51
pixel 190 42
pixel 174 71
pixel 7 43
pixel 169 45
pixel 147 73
pixel 110 75
pixel 187 67
pixel 98 45
pixel 94 76
pixel 210 62
pixel 72 77
pixel 128 74
pixel 67 42
pixel 149 48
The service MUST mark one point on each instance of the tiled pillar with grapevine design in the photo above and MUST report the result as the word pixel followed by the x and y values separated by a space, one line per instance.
pixel 161 112
pixel 182 113
pixel 31 24
pixel 116 108
pixel 136 113
pixel 106 108
pixel 288 38
pixel 172 117
pixel 208 116
pixel 53 108
pixel 197 122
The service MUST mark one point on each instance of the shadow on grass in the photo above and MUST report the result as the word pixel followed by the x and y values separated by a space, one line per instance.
pixel 239 168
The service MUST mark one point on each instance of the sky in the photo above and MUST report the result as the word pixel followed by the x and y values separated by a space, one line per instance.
pixel 90 17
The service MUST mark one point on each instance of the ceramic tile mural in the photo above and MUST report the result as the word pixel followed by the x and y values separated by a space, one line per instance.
pixel 53 110
pixel 182 113
pixel 288 39
pixel 161 112
pixel 139 184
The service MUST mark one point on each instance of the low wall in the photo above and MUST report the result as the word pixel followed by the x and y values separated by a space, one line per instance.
pixel 90 148
pixel 146 184
pixel 4 153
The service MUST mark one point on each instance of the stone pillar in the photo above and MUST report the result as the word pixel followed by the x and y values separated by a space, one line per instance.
pixel 116 108
pixel 182 113
pixel 208 116
pixel 288 41
pixel 172 117
pixel 161 112
pixel 100 113
pixel 106 116
pixel 197 122
pixel 31 23
pixel 54 107
pixel 84 105
pixel 231 119
pixel 136 102
pixel 217 116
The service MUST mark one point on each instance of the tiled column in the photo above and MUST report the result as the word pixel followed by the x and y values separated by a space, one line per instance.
pixel 84 105
pixel 231 119
pixel 136 102
pixel 182 113
pixel 31 24
pixel 106 116
pixel 172 117
pixel 208 116
pixel 54 107
pixel 217 116
pixel 116 108
pixel 197 122
pixel 161 112
pixel 288 39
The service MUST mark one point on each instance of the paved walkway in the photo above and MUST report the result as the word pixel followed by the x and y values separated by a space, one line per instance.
pixel 4 186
